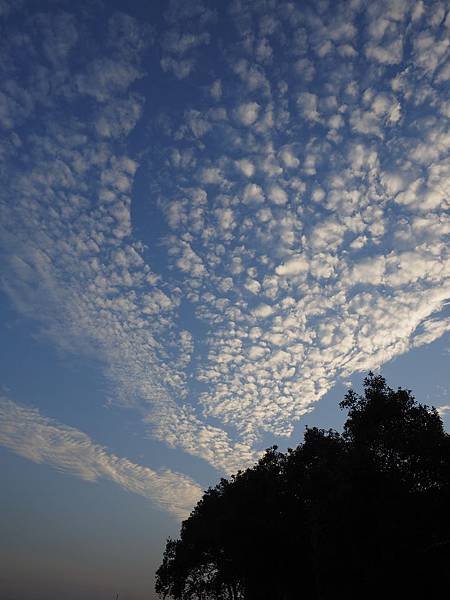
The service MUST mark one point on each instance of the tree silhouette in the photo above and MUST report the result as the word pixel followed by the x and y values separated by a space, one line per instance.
pixel 362 514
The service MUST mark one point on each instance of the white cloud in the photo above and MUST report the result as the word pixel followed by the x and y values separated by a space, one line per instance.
pixel 277 195
pixel 253 193
pixel 247 113
pixel 312 252
pixel 370 271
pixel 212 175
pixel 256 352
pixel 197 123
pixel 25 431
pixel 289 159
pixel 389 54
pixel 190 262
pixel 252 76
pixel 262 311
pixel 253 286
pixel 225 218
pixel 216 89
pixel 119 117
pixel 307 105
pixel 181 68
pixel 264 215
pixel 305 69
pixel 295 265
pixel 178 43
pixel 431 330
pixel 246 167
pixel 104 77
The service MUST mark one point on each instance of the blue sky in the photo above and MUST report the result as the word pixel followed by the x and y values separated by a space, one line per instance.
pixel 215 217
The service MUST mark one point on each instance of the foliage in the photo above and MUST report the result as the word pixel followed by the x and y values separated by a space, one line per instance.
pixel 362 514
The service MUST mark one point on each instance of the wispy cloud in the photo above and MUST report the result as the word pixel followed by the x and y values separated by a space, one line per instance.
pixel 25 431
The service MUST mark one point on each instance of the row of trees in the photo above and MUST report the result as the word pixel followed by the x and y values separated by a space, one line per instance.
pixel 360 514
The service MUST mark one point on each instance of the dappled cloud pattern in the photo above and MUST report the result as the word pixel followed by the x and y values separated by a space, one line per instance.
pixel 302 193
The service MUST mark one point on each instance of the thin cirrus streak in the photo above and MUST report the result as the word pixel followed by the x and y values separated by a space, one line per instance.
pixel 25 431
pixel 304 190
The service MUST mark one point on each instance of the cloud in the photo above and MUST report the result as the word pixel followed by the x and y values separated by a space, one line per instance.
pixel 190 262
pixel 216 89
pixel 289 159
pixel 180 68
pixel 104 77
pixel 262 311
pixel 389 54
pixel 253 193
pixel 247 113
pixel 179 47
pixel 430 331
pixel 370 271
pixel 294 266
pixel 304 237
pixel 277 195
pixel 307 105
pixel 179 43
pixel 40 439
pixel 246 167
pixel 119 118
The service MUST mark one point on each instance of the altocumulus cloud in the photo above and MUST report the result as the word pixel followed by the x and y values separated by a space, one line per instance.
pixel 302 192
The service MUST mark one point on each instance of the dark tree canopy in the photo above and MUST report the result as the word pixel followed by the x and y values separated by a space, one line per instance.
pixel 362 514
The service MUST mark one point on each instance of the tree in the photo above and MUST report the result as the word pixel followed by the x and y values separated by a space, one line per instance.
pixel 362 514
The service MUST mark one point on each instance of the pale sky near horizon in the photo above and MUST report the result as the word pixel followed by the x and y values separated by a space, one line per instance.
pixel 214 218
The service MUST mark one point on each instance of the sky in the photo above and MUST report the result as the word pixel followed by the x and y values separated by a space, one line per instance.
pixel 215 217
